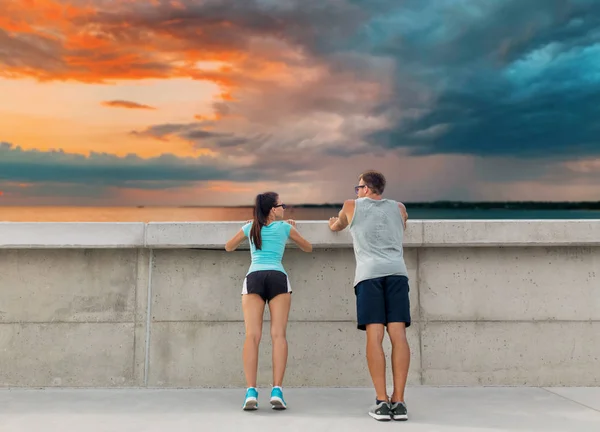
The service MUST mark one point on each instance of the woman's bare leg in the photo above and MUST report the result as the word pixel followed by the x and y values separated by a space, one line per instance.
pixel 280 309
pixel 253 307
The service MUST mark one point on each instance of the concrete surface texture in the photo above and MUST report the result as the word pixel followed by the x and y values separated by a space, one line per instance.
pixel 430 409
pixel 158 305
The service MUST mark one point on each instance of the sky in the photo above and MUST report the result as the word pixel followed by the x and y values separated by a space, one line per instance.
pixel 209 102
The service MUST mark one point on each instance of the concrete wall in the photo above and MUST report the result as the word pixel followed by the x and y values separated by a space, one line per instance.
pixel 133 304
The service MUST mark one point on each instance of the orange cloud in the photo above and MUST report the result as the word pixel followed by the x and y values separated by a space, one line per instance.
pixel 126 104
pixel 90 42
pixel 214 117
pixel 227 96
pixel 27 15
pixel 229 187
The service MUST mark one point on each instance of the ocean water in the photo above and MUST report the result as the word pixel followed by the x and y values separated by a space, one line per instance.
pixel 190 214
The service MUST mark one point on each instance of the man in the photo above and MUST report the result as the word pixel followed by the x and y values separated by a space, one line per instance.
pixel 381 286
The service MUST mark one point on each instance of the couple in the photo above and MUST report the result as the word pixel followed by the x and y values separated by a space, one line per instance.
pixel 381 287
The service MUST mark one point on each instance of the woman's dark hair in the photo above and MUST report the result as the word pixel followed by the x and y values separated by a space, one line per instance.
pixel 264 203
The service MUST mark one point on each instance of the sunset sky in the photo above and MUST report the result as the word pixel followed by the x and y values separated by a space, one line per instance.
pixel 208 102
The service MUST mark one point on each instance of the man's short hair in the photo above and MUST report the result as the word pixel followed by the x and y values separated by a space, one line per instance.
pixel 375 180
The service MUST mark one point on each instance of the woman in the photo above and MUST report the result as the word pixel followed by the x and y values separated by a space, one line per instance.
pixel 266 282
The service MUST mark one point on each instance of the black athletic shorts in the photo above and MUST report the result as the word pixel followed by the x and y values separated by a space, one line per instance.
pixel 382 300
pixel 267 284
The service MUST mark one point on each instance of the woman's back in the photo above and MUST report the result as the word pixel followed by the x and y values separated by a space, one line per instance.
pixel 274 238
pixel 266 282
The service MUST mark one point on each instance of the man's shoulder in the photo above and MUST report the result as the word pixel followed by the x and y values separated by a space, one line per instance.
pixel 349 205
pixel 396 203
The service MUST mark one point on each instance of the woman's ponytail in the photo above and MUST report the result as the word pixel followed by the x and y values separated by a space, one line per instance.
pixel 262 207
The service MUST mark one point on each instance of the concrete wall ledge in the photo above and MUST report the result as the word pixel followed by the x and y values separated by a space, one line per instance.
pixel 71 235
pixel 213 235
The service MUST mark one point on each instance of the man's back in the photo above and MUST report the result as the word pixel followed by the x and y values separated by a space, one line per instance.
pixel 381 286
pixel 377 229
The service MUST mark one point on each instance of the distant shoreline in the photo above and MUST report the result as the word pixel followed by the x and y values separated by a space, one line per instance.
pixel 465 205
pixel 433 205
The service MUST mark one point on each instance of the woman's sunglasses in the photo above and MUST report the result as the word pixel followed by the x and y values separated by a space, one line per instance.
pixel 283 206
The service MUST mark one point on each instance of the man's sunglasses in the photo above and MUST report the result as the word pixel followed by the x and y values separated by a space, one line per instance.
pixel 357 188
pixel 283 206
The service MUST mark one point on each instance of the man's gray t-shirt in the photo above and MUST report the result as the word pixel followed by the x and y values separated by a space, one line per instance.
pixel 377 231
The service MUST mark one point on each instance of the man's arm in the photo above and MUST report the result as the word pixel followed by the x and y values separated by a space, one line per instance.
pixel 341 222
pixel 404 213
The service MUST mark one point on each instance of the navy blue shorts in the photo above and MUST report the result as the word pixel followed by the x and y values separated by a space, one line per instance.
pixel 382 300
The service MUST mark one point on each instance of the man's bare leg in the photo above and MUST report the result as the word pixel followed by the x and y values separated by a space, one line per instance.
pixel 376 359
pixel 400 359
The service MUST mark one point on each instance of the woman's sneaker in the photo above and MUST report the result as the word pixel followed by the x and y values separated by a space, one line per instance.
pixel 399 411
pixel 277 401
pixel 251 402
pixel 381 411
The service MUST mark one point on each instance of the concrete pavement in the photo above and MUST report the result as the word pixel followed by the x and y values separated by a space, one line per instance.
pixel 442 409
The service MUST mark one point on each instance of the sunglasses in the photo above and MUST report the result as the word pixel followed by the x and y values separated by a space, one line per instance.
pixel 283 206
pixel 357 188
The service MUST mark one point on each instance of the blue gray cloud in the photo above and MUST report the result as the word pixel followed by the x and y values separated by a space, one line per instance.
pixel 101 169
pixel 506 78
pixel 197 133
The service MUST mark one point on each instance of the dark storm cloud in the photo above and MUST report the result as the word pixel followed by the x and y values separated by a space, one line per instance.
pixel 507 78
pixel 230 24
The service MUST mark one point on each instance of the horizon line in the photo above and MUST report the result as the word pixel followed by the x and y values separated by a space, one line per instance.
pixel 445 203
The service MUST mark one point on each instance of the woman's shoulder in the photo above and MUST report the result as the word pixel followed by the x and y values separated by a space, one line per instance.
pixel 246 228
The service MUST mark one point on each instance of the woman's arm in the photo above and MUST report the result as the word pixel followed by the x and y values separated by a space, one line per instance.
pixel 235 241
pixel 300 241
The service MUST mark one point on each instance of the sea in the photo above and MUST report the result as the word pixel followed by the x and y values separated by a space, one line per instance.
pixel 191 214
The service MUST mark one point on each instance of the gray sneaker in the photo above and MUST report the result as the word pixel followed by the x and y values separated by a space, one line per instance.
pixel 381 411
pixel 399 411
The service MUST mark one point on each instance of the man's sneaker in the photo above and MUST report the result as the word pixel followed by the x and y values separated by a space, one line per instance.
pixel 381 411
pixel 251 401
pixel 277 401
pixel 399 411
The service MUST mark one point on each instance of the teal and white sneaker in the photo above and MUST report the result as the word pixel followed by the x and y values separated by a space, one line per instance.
pixel 277 401
pixel 251 402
